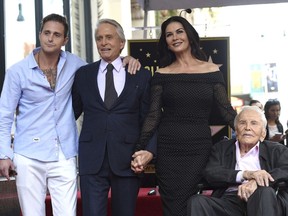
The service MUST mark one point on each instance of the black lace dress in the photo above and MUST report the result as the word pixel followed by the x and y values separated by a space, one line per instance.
pixel 180 108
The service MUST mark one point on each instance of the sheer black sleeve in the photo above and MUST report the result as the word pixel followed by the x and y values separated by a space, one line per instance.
pixel 223 105
pixel 152 118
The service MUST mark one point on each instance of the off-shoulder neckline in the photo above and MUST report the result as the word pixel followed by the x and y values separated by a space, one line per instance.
pixel 156 72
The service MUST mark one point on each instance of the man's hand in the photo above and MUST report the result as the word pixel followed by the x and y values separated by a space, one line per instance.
pixel 133 64
pixel 246 189
pixel 5 166
pixel 262 177
pixel 140 160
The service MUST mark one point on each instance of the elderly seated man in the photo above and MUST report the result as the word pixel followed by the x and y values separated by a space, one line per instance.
pixel 243 170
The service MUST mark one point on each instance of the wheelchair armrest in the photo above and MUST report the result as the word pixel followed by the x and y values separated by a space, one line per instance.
pixel 204 185
pixel 281 185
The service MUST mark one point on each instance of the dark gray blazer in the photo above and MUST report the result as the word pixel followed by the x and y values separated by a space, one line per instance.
pixel 220 170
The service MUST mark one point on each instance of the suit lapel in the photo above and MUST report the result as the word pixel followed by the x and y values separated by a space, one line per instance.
pixel 129 80
pixel 263 156
pixel 127 86
pixel 92 82
pixel 231 154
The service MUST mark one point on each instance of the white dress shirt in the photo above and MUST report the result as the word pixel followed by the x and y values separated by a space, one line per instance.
pixel 119 76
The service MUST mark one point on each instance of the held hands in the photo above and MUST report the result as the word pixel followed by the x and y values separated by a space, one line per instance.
pixel 140 160
pixel 133 64
pixel 7 168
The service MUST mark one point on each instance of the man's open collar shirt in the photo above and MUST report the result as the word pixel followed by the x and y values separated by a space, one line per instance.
pixel 45 122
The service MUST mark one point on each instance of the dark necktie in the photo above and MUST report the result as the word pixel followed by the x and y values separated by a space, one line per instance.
pixel 110 92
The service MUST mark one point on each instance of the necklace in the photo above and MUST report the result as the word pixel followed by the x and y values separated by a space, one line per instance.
pixel 50 73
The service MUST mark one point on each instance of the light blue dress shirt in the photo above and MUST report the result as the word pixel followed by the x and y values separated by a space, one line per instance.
pixel 46 121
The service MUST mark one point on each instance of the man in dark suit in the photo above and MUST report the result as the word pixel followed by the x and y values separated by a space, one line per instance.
pixel 111 125
pixel 252 163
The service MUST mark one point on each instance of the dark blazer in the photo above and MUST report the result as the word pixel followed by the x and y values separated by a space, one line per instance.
pixel 220 170
pixel 116 129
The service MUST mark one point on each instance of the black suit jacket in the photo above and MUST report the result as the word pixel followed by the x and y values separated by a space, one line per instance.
pixel 220 170
pixel 116 129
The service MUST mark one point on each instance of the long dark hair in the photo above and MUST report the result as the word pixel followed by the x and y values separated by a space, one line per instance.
pixel 268 105
pixel 167 57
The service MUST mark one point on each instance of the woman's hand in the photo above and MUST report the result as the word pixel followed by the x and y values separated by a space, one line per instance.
pixel 278 138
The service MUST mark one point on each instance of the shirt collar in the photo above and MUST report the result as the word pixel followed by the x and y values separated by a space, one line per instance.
pixel 117 63
pixel 32 61
pixel 254 150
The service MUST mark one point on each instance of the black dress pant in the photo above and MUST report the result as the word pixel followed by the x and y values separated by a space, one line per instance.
pixel 95 189
pixel 263 202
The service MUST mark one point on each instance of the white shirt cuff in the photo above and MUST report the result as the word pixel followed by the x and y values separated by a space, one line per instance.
pixel 239 177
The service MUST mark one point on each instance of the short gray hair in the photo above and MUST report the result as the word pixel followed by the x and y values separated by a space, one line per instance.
pixel 255 108
pixel 114 23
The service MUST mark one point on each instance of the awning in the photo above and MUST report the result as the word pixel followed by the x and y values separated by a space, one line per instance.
pixel 148 5
pixel 184 4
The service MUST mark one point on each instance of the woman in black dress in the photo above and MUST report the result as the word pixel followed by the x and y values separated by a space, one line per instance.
pixel 184 91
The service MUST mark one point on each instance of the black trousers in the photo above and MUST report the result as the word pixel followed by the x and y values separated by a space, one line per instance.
pixel 95 189
pixel 263 202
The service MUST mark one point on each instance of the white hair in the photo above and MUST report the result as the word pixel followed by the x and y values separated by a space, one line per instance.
pixel 255 108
